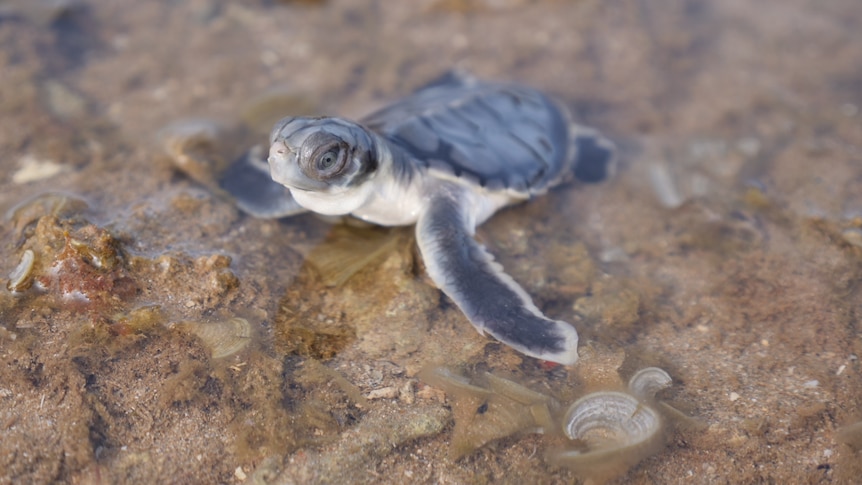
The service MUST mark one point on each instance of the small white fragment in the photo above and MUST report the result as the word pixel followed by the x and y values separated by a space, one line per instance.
pixel 748 146
pixel 811 384
pixel 734 397
pixel 841 369
pixel 240 474
pixel 764 343
pixel 32 169
pixel 664 186
pixel 613 255
pixel 827 453
pixel 20 278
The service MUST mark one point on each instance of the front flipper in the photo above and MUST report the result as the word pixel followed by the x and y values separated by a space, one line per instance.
pixel 249 181
pixel 491 300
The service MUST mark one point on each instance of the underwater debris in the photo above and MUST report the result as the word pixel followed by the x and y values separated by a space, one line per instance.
pixel 195 150
pixel 30 210
pixel 379 434
pixel 851 435
pixel 348 250
pixel 300 327
pixel 483 415
pixel 852 236
pixel 223 338
pixel 607 431
pixel 262 112
pixel 115 334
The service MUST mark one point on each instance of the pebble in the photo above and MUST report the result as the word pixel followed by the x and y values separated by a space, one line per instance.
pixel 383 393
pixel 734 397
pixel 64 102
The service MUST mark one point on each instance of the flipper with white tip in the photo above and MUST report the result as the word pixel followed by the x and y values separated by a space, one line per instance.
pixel 492 301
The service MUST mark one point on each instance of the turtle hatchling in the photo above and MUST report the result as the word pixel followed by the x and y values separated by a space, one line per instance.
pixel 445 158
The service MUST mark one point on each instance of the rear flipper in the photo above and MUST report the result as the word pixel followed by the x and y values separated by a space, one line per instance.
pixel 595 155
pixel 491 300
pixel 249 181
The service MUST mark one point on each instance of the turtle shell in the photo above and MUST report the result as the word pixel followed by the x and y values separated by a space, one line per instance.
pixel 498 136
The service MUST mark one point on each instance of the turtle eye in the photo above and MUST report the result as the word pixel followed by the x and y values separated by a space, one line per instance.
pixel 324 157
pixel 327 160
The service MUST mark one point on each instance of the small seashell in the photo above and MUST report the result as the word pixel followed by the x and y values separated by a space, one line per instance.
pixel 618 430
pixel 22 276
pixel 224 338
pixel 610 419
pixel 647 382
pixel 57 204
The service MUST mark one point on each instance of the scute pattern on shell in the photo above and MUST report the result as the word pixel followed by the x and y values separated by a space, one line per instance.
pixel 499 136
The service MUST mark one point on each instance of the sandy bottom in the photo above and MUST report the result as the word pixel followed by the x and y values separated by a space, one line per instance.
pixel 152 333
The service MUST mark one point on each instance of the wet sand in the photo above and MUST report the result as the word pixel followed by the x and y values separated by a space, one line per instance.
pixel 727 250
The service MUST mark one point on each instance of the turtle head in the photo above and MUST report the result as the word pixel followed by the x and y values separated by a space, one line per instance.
pixel 325 162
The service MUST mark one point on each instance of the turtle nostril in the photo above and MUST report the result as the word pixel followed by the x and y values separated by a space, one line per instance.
pixel 279 148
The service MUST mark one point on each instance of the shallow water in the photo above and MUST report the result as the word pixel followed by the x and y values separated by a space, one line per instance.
pixel 727 249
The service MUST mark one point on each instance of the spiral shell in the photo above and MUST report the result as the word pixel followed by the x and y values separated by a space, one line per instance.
pixel 646 382
pixel 611 419
pixel 618 429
